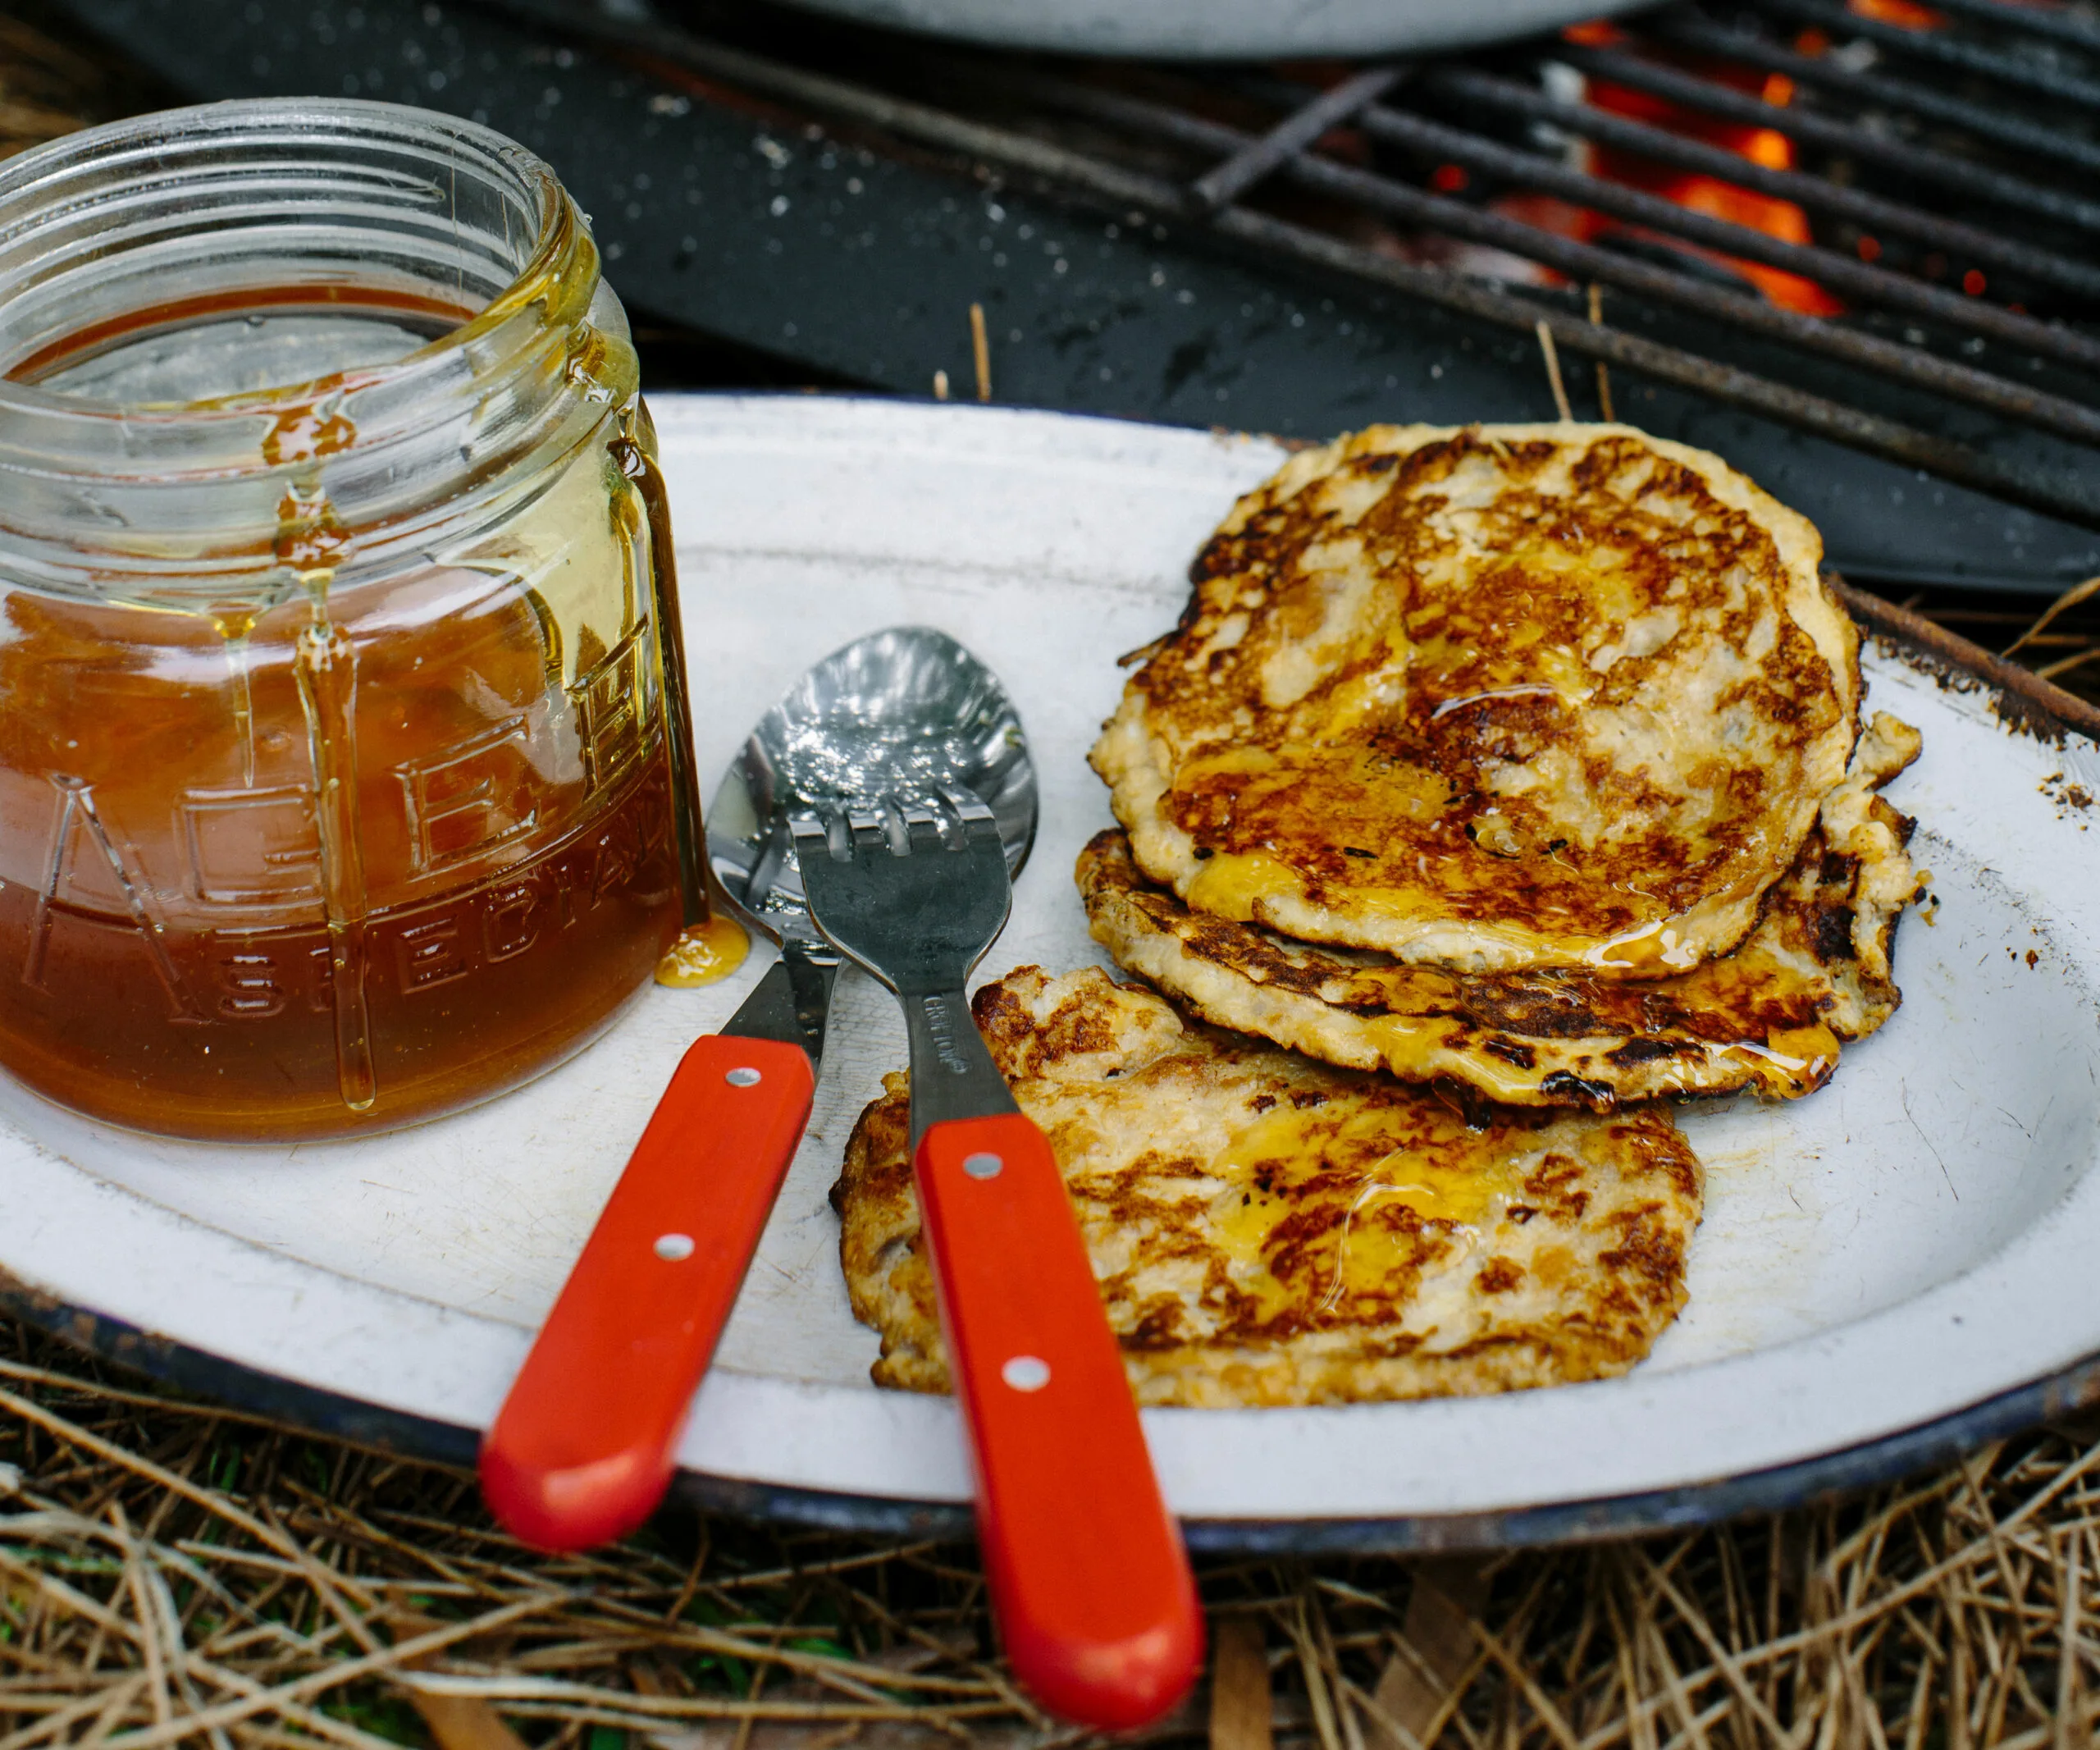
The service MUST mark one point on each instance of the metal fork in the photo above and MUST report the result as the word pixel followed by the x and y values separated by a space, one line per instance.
pixel 1096 1604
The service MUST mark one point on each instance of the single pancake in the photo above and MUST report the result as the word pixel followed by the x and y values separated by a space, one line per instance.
pixel 1490 698
pixel 1770 1016
pixel 1268 1230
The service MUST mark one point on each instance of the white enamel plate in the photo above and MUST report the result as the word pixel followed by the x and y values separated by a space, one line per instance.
pixel 1895 1267
pixel 1225 29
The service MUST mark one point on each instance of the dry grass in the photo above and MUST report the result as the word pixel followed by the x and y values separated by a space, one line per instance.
pixel 2059 640
pixel 171 1572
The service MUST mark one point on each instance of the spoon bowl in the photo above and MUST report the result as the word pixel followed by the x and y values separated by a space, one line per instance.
pixel 906 711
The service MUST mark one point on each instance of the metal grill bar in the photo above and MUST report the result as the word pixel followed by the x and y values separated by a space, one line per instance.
pixel 1912 160
pixel 1887 217
pixel 2062 493
pixel 2062 496
pixel 2057 27
pixel 1586 262
pixel 1930 45
pixel 1292 135
pixel 2069 498
pixel 1436 141
pixel 1883 90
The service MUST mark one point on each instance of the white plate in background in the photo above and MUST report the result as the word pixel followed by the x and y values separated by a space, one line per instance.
pixel 1224 30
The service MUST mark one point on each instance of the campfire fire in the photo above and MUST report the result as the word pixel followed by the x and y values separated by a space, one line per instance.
pixel 1697 193
pixel 1713 196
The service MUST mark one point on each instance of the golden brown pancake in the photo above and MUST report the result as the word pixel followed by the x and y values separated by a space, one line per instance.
pixel 1770 1016
pixel 1268 1230
pixel 1493 698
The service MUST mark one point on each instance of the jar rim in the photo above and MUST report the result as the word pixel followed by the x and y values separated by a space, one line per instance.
pixel 288 121
pixel 260 207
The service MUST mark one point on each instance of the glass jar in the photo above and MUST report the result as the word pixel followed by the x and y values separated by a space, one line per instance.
pixel 345 776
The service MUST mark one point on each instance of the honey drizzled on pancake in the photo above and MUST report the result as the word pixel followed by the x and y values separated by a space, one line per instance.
pixel 1769 1016
pixel 1491 698
pixel 1269 1230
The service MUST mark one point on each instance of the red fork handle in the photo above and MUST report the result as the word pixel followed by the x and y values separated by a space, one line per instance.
pixel 1089 1581
pixel 581 1451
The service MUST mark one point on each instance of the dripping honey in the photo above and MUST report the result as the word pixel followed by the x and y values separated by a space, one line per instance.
pixel 354 856
pixel 704 954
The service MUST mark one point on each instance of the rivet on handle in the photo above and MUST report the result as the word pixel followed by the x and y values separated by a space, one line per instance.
pixel 746 1077
pixel 673 1247
pixel 1026 1372
pixel 984 1166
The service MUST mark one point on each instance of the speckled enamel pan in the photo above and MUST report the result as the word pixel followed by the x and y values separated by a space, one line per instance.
pixel 1892 1270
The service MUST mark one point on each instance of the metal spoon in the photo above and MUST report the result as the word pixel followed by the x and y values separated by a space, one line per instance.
pixel 901 709
pixel 582 1450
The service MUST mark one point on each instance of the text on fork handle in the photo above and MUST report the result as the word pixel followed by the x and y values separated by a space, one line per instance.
pixel 940 1022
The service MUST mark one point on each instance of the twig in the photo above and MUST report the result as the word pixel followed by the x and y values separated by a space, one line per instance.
pixel 1604 376
pixel 1553 369
pixel 2071 598
pixel 980 350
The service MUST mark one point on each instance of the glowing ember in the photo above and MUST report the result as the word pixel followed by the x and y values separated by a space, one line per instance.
pixel 1693 191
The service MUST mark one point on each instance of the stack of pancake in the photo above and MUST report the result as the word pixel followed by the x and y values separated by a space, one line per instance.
pixel 1496 781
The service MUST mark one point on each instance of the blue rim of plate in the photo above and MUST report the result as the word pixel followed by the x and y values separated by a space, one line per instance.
pixel 2053 1398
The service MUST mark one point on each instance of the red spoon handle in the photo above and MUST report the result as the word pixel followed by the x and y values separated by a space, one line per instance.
pixel 581 1450
pixel 1094 1598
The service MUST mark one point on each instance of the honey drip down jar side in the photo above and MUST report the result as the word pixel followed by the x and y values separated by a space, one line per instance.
pixel 343 776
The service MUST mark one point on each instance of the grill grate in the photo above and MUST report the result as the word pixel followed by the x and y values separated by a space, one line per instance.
pixel 1939 171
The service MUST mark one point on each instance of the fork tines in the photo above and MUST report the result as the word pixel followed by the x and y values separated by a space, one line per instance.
pixel 950 818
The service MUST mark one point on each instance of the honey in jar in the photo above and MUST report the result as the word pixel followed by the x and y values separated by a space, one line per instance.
pixel 344 770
